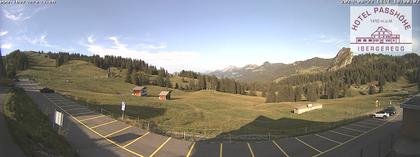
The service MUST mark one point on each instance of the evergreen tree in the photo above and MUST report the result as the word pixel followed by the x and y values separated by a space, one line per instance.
pixel 381 82
pixel 271 96
pixel 312 94
pixel 372 89
pixel 134 79
pixel 2 69
pixel 298 93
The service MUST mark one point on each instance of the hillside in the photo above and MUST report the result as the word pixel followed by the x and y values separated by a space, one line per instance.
pixel 271 71
pixel 203 112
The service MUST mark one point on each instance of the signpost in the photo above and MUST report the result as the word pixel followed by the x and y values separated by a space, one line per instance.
pixel 122 109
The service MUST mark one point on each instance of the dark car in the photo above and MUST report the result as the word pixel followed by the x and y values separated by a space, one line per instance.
pixel 390 110
pixel 46 90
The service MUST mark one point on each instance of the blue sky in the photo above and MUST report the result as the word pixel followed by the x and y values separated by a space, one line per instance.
pixel 198 35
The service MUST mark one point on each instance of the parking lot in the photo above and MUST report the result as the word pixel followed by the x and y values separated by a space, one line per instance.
pixel 142 143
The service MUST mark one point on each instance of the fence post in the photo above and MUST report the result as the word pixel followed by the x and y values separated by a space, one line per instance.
pixel 269 136
pixel 230 138
pixel 184 135
pixel 148 125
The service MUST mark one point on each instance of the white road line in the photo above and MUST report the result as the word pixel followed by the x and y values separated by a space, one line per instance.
pixel 327 138
pixel 355 137
pixel 281 149
pixel 308 145
pixel 342 133
pixel 358 125
pixel 352 129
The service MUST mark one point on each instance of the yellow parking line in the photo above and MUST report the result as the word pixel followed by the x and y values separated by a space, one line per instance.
pixel 92 118
pixel 351 129
pixel 342 134
pixel 356 136
pixel 308 145
pixel 328 138
pixel 117 131
pixel 190 151
pixel 281 149
pixel 103 124
pixel 250 150
pixel 135 139
pixel 78 114
pixel 160 147
pixel 221 149
pixel 100 135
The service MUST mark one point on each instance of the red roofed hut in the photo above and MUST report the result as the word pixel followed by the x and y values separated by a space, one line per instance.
pixel 139 91
pixel 165 95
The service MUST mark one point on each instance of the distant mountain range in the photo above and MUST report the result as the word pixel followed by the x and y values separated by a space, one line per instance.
pixel 277 71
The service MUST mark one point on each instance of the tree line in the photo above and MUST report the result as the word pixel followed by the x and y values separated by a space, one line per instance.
pixel 364 69
pixel 13 62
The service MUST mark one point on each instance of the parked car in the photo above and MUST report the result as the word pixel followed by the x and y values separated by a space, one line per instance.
pixel 46 90
pixel 391 110
pixel 381 114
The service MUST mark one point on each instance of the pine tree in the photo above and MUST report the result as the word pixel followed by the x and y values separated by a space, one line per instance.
pixel 2 67
pixel 271 96
pixel 381 81
pixel 298 93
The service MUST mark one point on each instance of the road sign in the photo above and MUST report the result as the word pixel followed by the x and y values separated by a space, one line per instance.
pixel 123 106
pixel 59 118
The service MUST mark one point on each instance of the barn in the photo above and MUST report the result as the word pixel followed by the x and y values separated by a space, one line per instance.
pixel 305 108
pixel 411 117
pixel 165 95
pixel 139 91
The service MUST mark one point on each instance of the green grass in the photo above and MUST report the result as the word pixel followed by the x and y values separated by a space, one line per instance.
pixel 31 129
pixel 202 112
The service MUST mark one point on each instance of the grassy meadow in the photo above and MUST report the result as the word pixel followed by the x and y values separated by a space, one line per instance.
pixel 206 111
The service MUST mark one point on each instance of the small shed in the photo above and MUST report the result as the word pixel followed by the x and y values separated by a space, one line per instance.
pixel 411 117
pixel 302 108
pixel 139 91
pixel 165 95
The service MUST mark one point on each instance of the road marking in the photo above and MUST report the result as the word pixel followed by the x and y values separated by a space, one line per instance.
pixel 100 135
pixel 92 118
pixel 281 149
pixel 78 114
pixel 221 149
pixel 190 151
pixel 117 131
pixel 160 147
pixel 351 129
pixel 361 126
pixel 250 150
pixel 308 145
pixel 72 109
pixel 342 134
pixel 69 106
pixel 103 124
pixel 327 138
pixel 136 139
pixel 369 123
pixel 357 136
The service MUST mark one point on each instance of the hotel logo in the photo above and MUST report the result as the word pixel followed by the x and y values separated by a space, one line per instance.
pixel 381 29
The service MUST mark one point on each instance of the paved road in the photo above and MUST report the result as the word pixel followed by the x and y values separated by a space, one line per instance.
pixel 7 146
pixel 94 134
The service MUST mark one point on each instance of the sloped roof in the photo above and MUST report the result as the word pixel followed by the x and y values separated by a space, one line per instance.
pixel 164 93
pixel 139 88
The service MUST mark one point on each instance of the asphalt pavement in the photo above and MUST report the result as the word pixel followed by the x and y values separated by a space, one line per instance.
pixel 94 134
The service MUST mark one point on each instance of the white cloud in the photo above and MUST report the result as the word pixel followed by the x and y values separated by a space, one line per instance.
pixel 170 60
pixel 6 46
pixel 3 33
pixel 38 41
pixel 161 45
pixel 21 13
pixel 91 39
